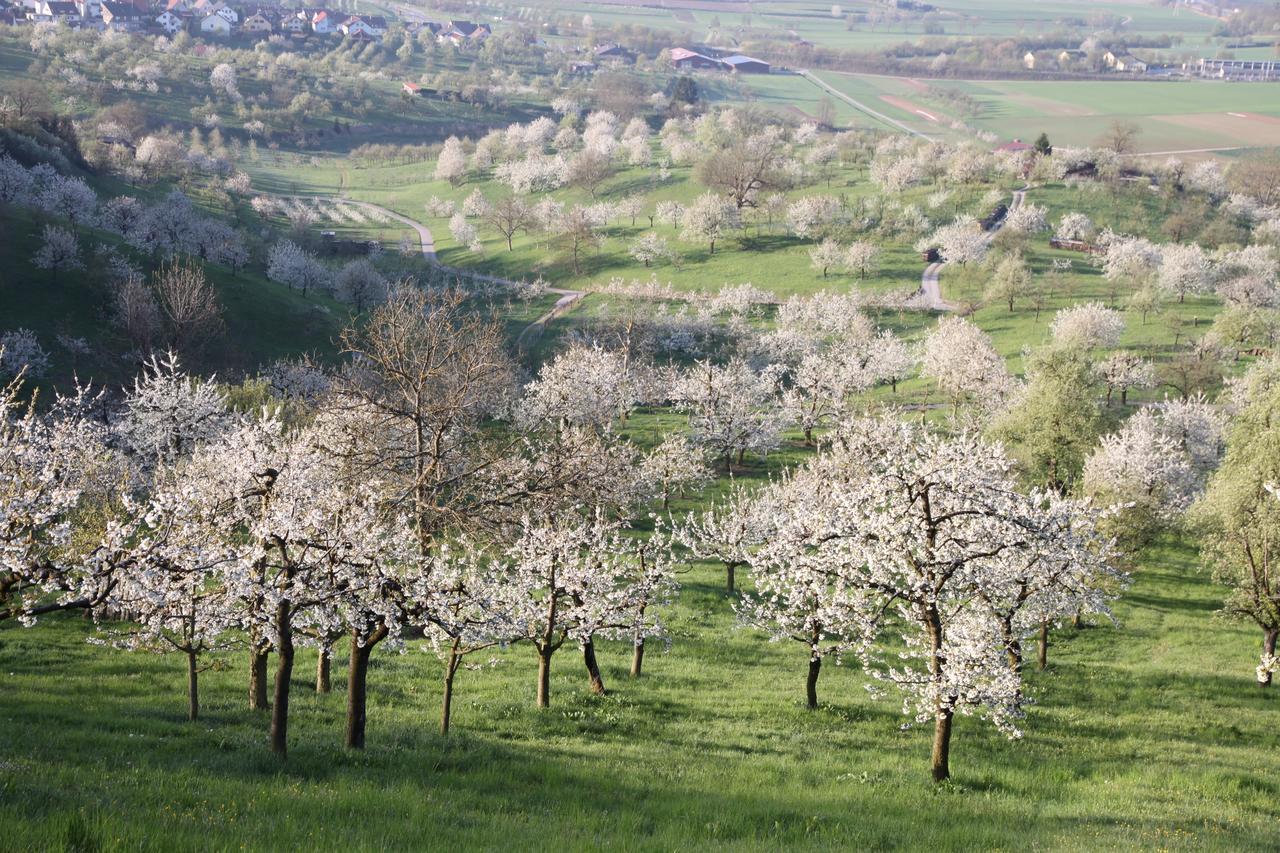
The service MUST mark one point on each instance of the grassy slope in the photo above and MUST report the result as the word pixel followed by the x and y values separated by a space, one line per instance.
pixel 1147 734
pixel 264 320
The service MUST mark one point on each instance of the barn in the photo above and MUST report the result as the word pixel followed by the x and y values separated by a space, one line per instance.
pixel 745 64
pixel 685 60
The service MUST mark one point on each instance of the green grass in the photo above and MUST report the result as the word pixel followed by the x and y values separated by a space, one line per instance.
pixel 764 256
pixel 1146 734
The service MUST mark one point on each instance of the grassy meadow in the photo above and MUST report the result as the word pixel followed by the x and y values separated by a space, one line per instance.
pixel 1147 733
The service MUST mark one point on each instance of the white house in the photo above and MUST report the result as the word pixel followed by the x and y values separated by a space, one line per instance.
pixel 169 22
pixel 215 25
pixel 356 25
pixel 325 22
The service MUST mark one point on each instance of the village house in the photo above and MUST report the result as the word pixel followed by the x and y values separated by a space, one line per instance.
pixel 370 26
pixel 169 22
pixel 460 33
pixel 215 25
pixel 121 17
pixel 62 11
pixel 259 22
pixel 325 22
pixel 1124 62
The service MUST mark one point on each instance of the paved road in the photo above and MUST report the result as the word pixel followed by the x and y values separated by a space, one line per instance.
pixel 929 296
pixel 531 332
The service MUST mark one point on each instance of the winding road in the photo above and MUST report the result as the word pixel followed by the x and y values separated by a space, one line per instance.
pixel 929 296
pixel 531 332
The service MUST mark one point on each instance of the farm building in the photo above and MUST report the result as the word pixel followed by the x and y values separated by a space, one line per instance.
pixel 1239 69
pixel 613 52
pixel 687 60
pixel 1015 146
pixel 745 64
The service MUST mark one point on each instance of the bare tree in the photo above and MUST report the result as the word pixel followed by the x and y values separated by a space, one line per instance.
pixel 188 305
pixel 427 373
pixel 589 170
pixel 1120 136
pixel 507 216
pixel 137 313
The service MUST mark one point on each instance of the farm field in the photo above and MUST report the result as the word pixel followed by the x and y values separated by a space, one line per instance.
pixel 813 21
pixel 1172 115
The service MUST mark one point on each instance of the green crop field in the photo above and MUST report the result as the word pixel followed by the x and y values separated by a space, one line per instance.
pixel 1171 115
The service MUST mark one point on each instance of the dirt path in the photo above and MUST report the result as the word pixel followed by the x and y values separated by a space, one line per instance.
pixel 929 296
pixel 858 105
pixel 531 332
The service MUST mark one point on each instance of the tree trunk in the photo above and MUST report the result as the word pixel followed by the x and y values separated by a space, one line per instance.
pixel 258 678
pixel 193 688
pixel 1268 651
pixel 729 569
pixel 942 714
pixel 811 683
pixel 941 759
pixel 1044 645
pixel 446 699
pixel 323 665
pixel 1014 653
pixel 284 673
pixel 357 686
pixel 593 667
pixel 544 676
pixel 637 658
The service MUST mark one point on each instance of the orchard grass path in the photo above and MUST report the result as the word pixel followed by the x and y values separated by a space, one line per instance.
pixel 1145 734
pixel 427 244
